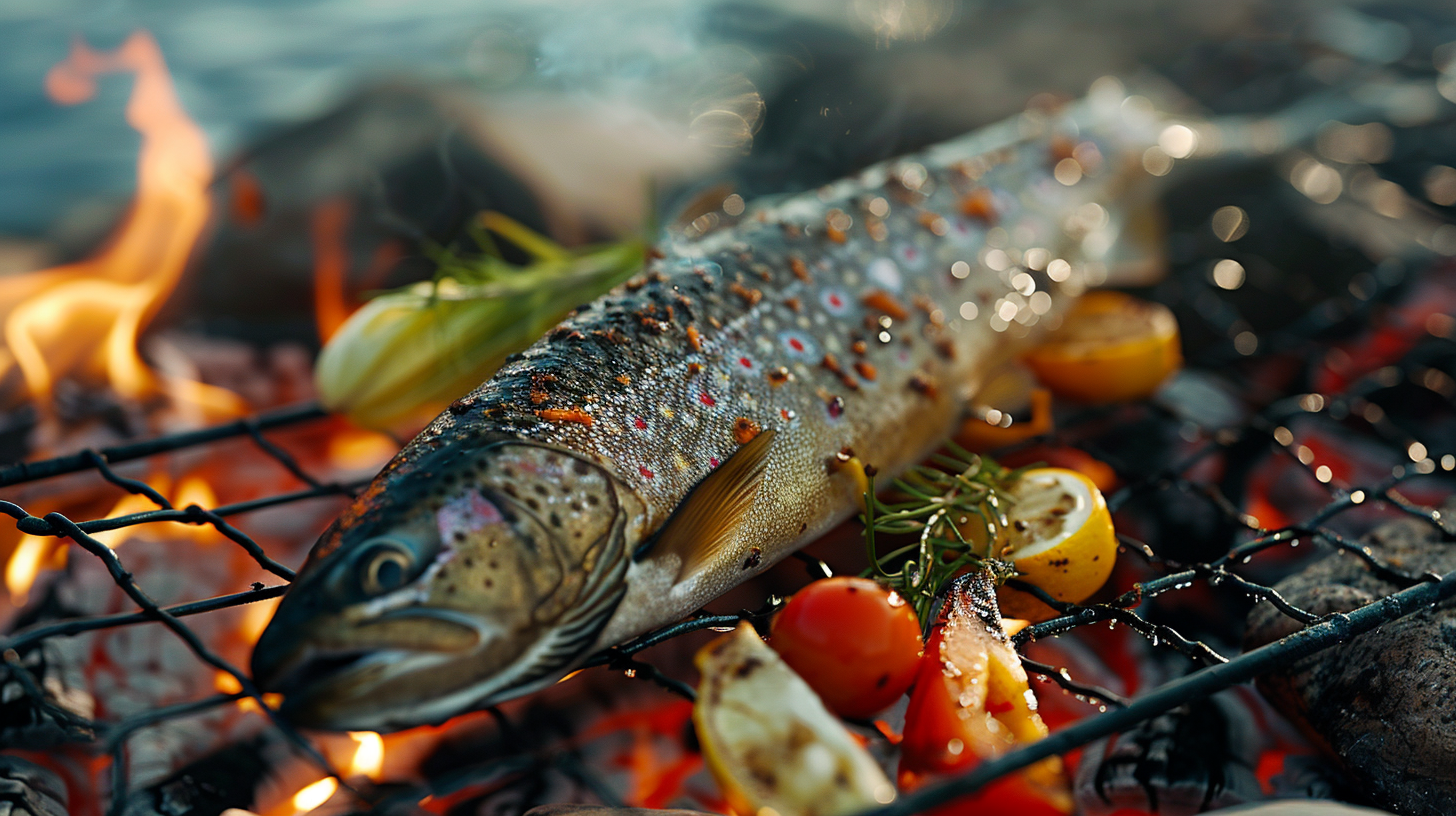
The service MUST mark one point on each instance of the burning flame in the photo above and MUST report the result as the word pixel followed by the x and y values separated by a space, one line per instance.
pixel 331 262
pixel 85 317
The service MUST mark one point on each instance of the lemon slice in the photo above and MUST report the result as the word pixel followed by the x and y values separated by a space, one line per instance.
pixel 1111 347
pixel 770 742
pixel 1059 538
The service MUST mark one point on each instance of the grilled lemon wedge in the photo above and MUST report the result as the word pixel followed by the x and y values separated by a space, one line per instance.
pixel 769 740
pixel 1111 347
pixel 1059 538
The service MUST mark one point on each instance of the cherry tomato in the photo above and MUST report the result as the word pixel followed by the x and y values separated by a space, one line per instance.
pixel 854 642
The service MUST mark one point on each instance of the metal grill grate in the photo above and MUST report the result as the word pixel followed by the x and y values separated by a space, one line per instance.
pixel 1216 672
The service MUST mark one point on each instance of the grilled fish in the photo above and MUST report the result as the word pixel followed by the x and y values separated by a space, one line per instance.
pixel 681 433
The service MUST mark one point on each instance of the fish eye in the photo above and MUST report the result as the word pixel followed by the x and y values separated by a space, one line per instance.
pixel 384 568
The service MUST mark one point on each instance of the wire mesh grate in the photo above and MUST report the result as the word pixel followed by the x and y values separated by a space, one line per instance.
pixel 1263 432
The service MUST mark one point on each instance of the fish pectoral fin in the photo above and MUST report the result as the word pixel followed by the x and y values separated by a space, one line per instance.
pixel 708 518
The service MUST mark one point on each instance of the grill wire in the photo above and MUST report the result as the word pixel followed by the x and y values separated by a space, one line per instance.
pixel 1214 672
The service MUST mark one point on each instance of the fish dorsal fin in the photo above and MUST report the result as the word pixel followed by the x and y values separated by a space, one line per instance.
pixel 709 517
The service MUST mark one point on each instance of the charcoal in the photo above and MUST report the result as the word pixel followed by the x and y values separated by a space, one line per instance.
pixel 1383 703
pixel 1197 757
pixel 27 789
pixel 598 810
pixel 208 786
pixel 40 706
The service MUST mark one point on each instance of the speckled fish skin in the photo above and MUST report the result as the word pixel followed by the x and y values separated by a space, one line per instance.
pixel 516 534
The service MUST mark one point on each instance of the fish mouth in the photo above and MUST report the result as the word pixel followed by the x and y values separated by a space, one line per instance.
pixel 350 690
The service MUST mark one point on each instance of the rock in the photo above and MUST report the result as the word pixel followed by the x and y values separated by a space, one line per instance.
pixel 1384 702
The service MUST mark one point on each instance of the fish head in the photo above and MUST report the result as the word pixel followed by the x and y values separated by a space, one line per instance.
pixel 449 587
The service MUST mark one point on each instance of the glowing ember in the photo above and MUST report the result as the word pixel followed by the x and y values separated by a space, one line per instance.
pixel 83 319
pixel 315 795
pixel 369 758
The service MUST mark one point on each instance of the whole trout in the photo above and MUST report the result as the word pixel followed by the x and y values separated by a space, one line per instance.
pixel 680 434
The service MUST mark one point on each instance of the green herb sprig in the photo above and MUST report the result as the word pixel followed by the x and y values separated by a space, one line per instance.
pixel 934 501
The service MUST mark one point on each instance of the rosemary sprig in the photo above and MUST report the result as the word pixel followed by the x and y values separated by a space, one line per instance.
pixel 954 505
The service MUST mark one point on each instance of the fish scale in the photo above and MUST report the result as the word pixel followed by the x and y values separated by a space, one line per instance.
pixel 856 317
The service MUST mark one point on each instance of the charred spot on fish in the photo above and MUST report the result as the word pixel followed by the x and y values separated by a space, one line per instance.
pixel 461 406
pixel 778 376
pixel 921 384
pixel 755 557
pixel 744 430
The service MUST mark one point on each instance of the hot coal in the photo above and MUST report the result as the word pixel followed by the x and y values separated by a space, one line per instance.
pixel 30 790
pixel 1383 703
pixel 1196 757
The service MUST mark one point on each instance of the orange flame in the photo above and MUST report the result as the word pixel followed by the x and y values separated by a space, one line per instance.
pixel 331 265
pixel 84 318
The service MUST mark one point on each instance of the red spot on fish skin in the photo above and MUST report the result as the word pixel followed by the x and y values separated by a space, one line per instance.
pixel 640 423
pixel 707 400
pixel 796 344
pixel 745 362
pixel 786 413
pixel 646 474
pixel 712 461
pixel 836 301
